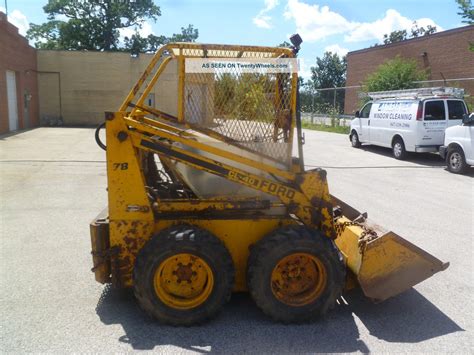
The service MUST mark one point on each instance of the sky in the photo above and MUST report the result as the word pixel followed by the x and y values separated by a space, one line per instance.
pixel 338 26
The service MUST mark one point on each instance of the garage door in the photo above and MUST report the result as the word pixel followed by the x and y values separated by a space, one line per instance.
pixel 12 101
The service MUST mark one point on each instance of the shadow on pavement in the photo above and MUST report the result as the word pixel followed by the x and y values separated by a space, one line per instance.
pixel 15 133
pixel 426 159
pixel 406 318
pixel 241 327
pixel 429 160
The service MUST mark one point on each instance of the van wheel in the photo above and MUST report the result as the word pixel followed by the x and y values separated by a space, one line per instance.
pixel 456 161
pixel 355 140
pixel 398 149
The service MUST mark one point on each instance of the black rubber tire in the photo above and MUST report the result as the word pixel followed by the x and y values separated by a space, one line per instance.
pixel 355 142
pixel 398 149
pixel 458 167
pixel 172 241
pixel 266 254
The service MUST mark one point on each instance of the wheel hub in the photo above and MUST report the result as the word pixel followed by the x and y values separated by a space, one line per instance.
pixel 455 160
pixel 183 281
pixel 397 149
pixel 298 279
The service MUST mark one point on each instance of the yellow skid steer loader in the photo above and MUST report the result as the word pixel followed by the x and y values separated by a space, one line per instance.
pixel 205 197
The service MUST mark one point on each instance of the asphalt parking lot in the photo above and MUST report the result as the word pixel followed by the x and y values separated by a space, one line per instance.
pixel 53 183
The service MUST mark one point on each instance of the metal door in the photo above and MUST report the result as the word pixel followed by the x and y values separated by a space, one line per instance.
pixel 12 101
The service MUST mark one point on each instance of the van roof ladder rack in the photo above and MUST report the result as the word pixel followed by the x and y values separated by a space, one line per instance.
pixel 418 93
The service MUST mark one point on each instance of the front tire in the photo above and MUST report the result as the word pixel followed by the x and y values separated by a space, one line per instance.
pixel 295 274
pixel 355 140
pixel 398 149
pixel 183 276
pixel 456 161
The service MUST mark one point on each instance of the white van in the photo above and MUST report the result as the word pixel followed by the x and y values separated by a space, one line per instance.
pixel 458 148
pixel 408 120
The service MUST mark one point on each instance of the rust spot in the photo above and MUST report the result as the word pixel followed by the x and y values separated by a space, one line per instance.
pixel 109 116
pixel 315 201
pixel 130 243
pixel 299 179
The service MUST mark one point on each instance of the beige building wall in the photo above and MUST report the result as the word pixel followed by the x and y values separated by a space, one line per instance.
pixel 80 86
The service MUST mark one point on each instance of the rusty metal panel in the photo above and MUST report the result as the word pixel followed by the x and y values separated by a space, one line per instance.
pixel 99 229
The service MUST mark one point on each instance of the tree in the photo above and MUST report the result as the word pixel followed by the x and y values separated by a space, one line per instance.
pixel 329 72
pixel 395 74
pixel 466 11
pixel 395 36
pixel 421 31
pixel 285 44
pixel 401 35
pixel 96 25
pixel 136 43
pixel 91 25
pixel 307 92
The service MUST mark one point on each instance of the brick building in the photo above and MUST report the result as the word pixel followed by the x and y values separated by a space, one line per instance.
pixel 18 80
pixel 72 88
pixel 445 55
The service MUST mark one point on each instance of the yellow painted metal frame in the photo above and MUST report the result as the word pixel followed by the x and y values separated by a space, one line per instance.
pixel 134 217
pixel 177 51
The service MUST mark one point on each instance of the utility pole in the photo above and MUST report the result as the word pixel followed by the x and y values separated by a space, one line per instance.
pixel 6 7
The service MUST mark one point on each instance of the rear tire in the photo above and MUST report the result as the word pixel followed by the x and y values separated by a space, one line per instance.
pixel 355 140
pixel 183 276
pixel 295 274
pixel 456 161
pixel 398 149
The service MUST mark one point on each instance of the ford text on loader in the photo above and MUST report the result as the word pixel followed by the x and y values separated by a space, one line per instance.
pixel 205 198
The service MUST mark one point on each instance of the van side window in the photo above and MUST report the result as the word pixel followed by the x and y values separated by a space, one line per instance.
pixel 434 110
pixel 365 111
pixel 456 109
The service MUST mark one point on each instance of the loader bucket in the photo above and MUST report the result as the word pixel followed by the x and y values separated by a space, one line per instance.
pixel 386 265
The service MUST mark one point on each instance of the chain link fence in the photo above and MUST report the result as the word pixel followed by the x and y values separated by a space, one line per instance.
pixel 335 107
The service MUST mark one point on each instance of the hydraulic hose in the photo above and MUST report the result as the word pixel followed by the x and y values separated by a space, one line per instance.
pixel 97 137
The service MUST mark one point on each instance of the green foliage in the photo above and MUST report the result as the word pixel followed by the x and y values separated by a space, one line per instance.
pixel 466 11
pixel 246 97
pixel 321 127
pixel 224 94
pixel 91 25
pixel 96 25
pixel 285 44
pixel 395 36
pixel 47 35
pixel 330 71
pixel 395 74
pixel 401 35
pixel 138 44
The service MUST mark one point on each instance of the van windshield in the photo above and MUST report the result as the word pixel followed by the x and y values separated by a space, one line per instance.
pixel 434 110
pixel 456 109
